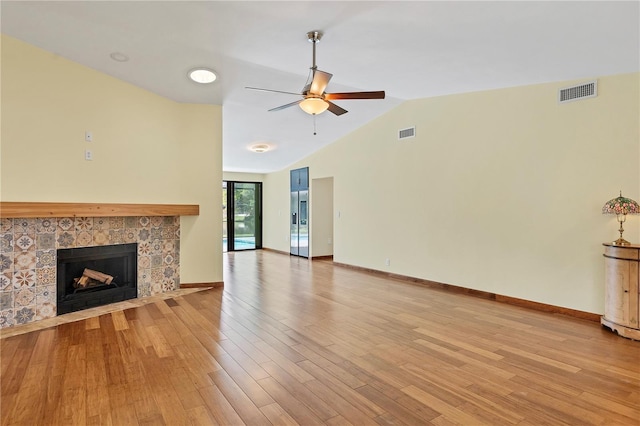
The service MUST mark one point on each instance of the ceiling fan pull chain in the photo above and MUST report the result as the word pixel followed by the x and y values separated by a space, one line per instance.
pixel 314 124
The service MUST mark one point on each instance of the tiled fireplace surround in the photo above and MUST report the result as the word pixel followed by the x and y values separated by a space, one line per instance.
pixel 28 257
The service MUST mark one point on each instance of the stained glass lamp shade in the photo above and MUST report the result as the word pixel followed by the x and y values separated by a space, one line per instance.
pixel 621 207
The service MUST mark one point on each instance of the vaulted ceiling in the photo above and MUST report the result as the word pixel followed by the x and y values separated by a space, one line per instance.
pixel 411 50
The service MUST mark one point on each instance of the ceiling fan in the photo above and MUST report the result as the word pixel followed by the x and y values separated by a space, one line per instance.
pixel 314 98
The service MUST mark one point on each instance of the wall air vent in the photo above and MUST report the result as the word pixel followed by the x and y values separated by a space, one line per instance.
pixel 407 133
pixel 581 91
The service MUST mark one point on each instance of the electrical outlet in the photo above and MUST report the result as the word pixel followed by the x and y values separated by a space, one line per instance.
pixel 387 262
pixel 329 241
pixel 88 155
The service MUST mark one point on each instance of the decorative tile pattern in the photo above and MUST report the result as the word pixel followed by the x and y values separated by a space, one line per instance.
pixel 24 315
pixel 28 258
pixel 101 223
pixel 116 222
pixel 65 224
pixel 6 300
pixel 46 310
pixel 6 318
pixel 144 262
pixel 46 259
pixel 83 223
pixel 22 279
pixel 25 297
pixel 24 241
pixel 6 243
pixel 46 225
pixel 168 284
pixel 156 261
pixel 25 260
pixel 46 294
pixel 101 237
pixel 66 239
pixel 6 226
pixel 84 239
pixel 6 280
pixel 116 236
pixel 143 234
pixel 130 235
pixel 46 241
pixel 6 261
pixel 24 226
pixel 45 276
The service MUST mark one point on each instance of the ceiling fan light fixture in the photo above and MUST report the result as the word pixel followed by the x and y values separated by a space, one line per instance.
pixel 260 148
pixel 119 57
pixel 202 75
pixel 314 106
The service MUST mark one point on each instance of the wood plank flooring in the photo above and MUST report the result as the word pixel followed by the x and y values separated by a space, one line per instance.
pixel 289 341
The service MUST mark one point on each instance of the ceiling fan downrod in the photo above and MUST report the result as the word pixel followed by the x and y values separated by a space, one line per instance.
pixel 314 37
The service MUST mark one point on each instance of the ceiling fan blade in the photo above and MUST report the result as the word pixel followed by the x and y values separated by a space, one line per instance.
pixel 355 95
pixel 336 109
pixel 319 83
pixel 270 90
pixel 286 105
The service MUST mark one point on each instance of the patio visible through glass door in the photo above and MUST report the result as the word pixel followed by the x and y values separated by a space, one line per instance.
pixel 243 216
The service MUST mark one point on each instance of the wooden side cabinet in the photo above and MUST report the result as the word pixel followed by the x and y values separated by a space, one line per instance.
pixel 622 292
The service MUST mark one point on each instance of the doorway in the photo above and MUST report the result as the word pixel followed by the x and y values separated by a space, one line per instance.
pixel 299 223
pixel 242 215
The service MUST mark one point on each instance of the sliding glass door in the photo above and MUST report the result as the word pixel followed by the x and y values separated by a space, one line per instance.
pixel 243 216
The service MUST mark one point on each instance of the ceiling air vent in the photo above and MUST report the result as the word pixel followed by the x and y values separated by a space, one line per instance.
pixel 581 91
pixel 407 133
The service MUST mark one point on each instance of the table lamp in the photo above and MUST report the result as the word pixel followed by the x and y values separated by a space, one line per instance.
pixel 621 207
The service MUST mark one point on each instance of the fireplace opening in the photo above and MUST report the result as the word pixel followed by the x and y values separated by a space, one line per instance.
pixel 94 276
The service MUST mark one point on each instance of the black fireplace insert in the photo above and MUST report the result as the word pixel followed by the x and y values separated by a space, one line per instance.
pixel 118 261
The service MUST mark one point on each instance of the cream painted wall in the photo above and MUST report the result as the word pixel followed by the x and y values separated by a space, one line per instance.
pixel 321 219
pixel 499 191
pixel 275 211
pixel 243 177
pixel 147 149
pixel 201 179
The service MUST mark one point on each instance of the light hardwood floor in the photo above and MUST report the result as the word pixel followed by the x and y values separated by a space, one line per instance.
pixel 289 341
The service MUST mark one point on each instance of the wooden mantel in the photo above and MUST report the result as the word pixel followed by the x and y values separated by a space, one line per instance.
pixel 17 209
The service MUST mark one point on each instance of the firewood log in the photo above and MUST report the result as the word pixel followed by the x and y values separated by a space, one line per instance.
pixel 103 278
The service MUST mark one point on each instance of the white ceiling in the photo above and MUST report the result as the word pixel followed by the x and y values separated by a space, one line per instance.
pixel 410 49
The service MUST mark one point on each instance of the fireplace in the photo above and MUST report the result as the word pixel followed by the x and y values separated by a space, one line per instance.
pixel 29 259
pixel 116 261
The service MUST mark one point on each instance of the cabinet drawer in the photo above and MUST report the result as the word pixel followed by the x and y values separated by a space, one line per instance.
pixel 622 252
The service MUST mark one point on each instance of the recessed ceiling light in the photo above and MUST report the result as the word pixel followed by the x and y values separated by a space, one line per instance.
pixel 260 148
pixel 202 75
pixel 119 56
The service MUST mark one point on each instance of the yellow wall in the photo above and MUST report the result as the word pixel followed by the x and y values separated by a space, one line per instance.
pixel 321 219
pixel 146 148
pixel 243 177
pixel 499 191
